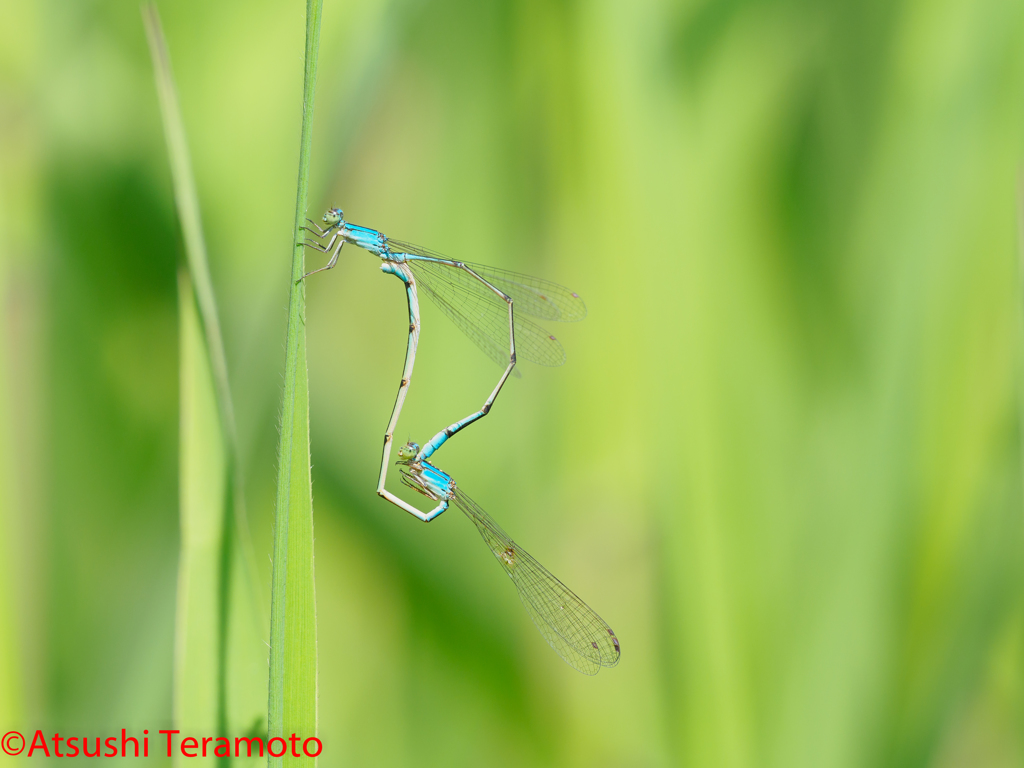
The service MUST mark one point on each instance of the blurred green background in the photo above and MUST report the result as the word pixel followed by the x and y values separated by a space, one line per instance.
pixel 783 459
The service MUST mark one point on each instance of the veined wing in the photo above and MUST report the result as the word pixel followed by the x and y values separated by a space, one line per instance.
pixel 483 315
pixel 532 295
pixel 570 626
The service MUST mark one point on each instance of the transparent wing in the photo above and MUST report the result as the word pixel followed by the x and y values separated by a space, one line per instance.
pixel 536 297
pixel 570 626
pixel 483 315
pixel 532 296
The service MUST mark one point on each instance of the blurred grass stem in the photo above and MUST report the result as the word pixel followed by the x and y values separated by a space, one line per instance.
pixel 201 446
pixel 1020 311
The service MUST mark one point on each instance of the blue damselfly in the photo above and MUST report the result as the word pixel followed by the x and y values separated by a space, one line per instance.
pixel 487 304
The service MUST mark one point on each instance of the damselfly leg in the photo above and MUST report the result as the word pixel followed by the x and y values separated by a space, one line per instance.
pixel 319 232
pixel 325 249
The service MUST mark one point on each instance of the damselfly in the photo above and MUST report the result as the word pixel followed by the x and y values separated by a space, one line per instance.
pixel 570 626
pixel 487 304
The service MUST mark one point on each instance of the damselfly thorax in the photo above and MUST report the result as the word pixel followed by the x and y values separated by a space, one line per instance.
pixel 424 477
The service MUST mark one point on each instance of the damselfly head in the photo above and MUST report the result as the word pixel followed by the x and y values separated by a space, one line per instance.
pixel 408 451
pixel 333 217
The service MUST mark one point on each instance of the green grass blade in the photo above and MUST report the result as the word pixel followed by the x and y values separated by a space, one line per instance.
pixel 23 530
pixel 213 520
pixel 187 202
pixel 293 652
pixel 10 671
pixel 199 700
pixel 1020 303
pixel 10 674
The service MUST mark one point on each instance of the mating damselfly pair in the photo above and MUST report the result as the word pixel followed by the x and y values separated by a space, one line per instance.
pixel 488 305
